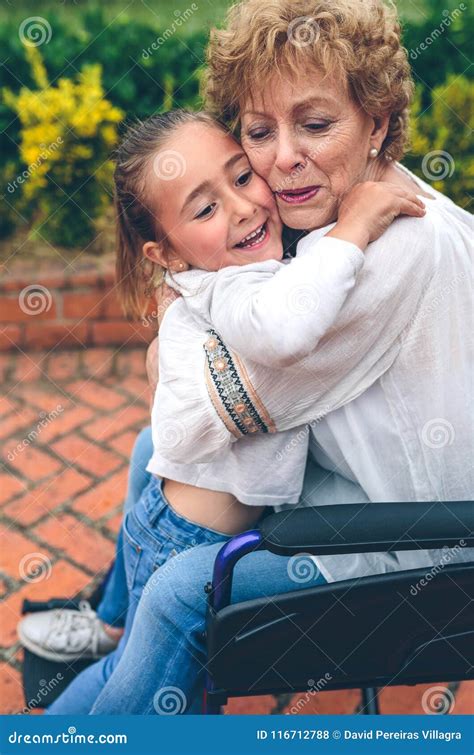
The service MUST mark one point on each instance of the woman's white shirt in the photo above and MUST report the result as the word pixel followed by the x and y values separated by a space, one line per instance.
pixel 387 392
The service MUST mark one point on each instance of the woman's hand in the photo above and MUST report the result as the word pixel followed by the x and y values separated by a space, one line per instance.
pixel 370 207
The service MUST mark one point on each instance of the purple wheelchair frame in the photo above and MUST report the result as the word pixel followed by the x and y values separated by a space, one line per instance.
pixel 221 587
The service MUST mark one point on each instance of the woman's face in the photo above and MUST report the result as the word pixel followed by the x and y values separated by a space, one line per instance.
pixel 308 139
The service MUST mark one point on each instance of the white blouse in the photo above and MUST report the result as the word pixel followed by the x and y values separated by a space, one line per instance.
pixel 387 391
pixel 272 312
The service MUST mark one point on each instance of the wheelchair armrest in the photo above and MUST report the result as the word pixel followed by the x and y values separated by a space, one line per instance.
pixel 368 527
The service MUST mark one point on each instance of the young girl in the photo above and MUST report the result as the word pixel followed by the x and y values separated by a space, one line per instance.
pixel 189 203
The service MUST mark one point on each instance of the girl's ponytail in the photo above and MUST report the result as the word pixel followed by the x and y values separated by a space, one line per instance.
pixel 130 272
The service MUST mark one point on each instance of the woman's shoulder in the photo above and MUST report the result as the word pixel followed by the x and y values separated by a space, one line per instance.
pixel 413 252
pixel 441 208
pixel 443 224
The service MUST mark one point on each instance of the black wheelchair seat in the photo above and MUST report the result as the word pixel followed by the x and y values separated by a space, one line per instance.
pixel 353 633
pixel 396 628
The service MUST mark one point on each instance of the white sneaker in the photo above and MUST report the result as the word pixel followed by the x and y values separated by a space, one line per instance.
pixel 65 634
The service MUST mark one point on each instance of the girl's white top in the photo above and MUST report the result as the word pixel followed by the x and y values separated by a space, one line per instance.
pixel 387 391
pixel 272 312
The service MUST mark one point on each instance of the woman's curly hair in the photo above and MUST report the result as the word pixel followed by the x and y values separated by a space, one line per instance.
pixel 358 40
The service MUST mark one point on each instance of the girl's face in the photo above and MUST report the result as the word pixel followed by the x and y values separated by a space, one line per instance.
pixel 214 210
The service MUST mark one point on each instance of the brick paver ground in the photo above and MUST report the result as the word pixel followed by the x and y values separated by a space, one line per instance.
pixel 67 425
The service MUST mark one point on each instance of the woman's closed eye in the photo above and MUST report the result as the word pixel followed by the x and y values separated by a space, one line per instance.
pixel 314 126
pixel 258 134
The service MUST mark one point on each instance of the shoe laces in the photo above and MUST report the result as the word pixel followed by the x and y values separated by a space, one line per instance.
pixel 74 624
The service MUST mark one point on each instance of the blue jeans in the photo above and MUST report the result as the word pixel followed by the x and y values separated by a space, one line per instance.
pixel 153 534
pixel 114 604
pixel 161 659
pixel 162 668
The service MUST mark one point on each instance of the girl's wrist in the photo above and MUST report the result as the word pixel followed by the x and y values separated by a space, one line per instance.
pixel 353 232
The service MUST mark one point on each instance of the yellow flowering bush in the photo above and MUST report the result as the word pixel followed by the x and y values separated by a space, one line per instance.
pixel 68 130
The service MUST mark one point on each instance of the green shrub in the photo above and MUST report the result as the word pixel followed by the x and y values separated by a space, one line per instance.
pixel 442 149
pixel 440 44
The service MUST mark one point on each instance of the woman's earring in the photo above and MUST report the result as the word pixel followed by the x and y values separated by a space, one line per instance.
pixel 373 152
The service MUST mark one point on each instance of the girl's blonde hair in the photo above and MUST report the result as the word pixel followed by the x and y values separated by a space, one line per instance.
pixel 357 41
pixel 136 219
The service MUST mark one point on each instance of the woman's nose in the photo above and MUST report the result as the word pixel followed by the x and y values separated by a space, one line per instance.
pixel 289 156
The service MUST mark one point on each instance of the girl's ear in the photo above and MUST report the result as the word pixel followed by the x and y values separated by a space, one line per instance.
pixel 156 253
pixel 164 257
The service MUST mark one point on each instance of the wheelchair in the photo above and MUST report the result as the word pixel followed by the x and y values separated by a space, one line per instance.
pixel 397 628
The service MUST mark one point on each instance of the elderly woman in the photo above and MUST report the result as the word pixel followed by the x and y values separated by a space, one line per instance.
pixel 320 92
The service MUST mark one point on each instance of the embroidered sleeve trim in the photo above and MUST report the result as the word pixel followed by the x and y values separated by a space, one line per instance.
pixel 231 391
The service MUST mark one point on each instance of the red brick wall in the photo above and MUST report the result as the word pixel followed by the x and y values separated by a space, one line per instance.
pixel 66 309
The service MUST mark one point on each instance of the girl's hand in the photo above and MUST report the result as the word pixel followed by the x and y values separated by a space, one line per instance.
pixel 370 207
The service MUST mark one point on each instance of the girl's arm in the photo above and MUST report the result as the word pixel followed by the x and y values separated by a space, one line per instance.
pixel 278 317
pixel 360 347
